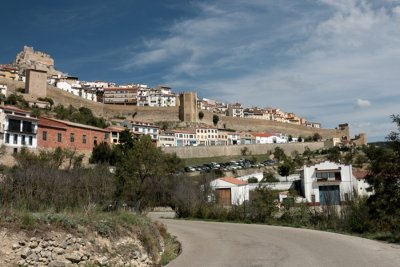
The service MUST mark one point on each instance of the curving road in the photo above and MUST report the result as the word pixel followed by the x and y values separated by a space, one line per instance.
pixel 227 244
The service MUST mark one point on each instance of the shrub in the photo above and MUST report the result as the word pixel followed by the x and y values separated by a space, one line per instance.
pixel 252 180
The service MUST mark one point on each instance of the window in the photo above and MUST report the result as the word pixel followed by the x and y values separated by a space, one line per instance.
pixel 84 139
pixel 59 137
pixel 15 139
pixel 95 141
pixel 30 140
pixel 23 140
pixel 328 175
pixel 313 198
pixel 27 127
pixel 72 137
pixel 7 141
pixel 14 125
pixel 44 137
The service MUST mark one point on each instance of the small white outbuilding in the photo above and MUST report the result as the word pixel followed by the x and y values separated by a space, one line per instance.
pixel 230 191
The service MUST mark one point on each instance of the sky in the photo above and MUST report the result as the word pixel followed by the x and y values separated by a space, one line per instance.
pixel 329 61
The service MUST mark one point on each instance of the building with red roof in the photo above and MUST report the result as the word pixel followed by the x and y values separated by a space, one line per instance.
pixel 230 191
pixel 53 133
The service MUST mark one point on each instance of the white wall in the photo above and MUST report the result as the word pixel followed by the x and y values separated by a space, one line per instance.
pixel 239 193
pixel 311 186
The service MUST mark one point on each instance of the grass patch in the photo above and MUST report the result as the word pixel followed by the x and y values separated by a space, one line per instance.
pixel 172 249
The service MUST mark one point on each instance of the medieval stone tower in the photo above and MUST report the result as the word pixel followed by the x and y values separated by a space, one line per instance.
pixel 36 83
pixel 188 106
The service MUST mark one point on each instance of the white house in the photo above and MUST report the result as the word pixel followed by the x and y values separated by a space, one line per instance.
pixel 230 191
pixel 327 183
pixel 17 128
pixel 235 110
pixel 185 138
pixel 267 138
pixel 166 139
pixel 139 128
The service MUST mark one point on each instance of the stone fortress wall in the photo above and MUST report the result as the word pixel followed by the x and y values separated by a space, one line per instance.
pixel 236 150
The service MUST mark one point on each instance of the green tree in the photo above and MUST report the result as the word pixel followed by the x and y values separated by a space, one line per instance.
pixel 334 154
pixel 290 138
pixel 269 177
pixel 384 177
pixel 316 137
pixel 142 174
pixel 285 169
pixel 103 153
pixel 126 140
pixel 300 139
pixel 215 119
pixel 262 204
pixel 35 111
pixel 298 158
pixel 279 154
pixel 16 100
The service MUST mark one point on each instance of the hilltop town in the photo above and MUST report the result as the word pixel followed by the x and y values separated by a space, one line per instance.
pixel 171 119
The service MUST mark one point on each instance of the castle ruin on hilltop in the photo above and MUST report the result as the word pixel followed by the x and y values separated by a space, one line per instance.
pixel 28 58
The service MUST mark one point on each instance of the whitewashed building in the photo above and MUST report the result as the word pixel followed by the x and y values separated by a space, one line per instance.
pixel 139 128
pixel 185 138
pixel 235 110
pixel 167 139
pixel 230 191
pixel 327 183
pixel 267 138
pixel 18 128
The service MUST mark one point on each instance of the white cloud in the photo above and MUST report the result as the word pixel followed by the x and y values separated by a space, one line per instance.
pixel 361 103
pixel 312 60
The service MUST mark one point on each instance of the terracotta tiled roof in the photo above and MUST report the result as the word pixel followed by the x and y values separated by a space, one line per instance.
pixel 235 181
pixel 115 128
pixel 12 108
pixel 360 174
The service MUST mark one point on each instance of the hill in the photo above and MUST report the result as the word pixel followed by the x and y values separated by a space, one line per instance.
pixel 171 114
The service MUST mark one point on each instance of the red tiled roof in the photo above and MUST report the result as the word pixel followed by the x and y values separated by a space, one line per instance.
pixel 360 174
pixel 184 131
pixel 232 180
pixel 115 128
pixel 15 109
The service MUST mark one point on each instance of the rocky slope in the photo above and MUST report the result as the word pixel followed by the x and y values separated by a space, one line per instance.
pixel 58 248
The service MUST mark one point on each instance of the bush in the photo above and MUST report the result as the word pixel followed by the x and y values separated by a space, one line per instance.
pixel 252 180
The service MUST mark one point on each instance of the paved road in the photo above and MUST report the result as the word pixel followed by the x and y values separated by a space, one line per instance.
pixel 227 244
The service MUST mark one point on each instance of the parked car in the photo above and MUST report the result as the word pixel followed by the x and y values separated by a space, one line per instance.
pixel 190 169
pixel 269 162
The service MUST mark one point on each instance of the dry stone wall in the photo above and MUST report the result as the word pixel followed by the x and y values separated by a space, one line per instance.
pixel 59 249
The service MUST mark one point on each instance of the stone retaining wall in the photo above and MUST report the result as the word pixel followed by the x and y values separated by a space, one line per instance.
pixel 219 151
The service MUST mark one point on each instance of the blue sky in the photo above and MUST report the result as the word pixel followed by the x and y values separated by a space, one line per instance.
pixel 331 61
